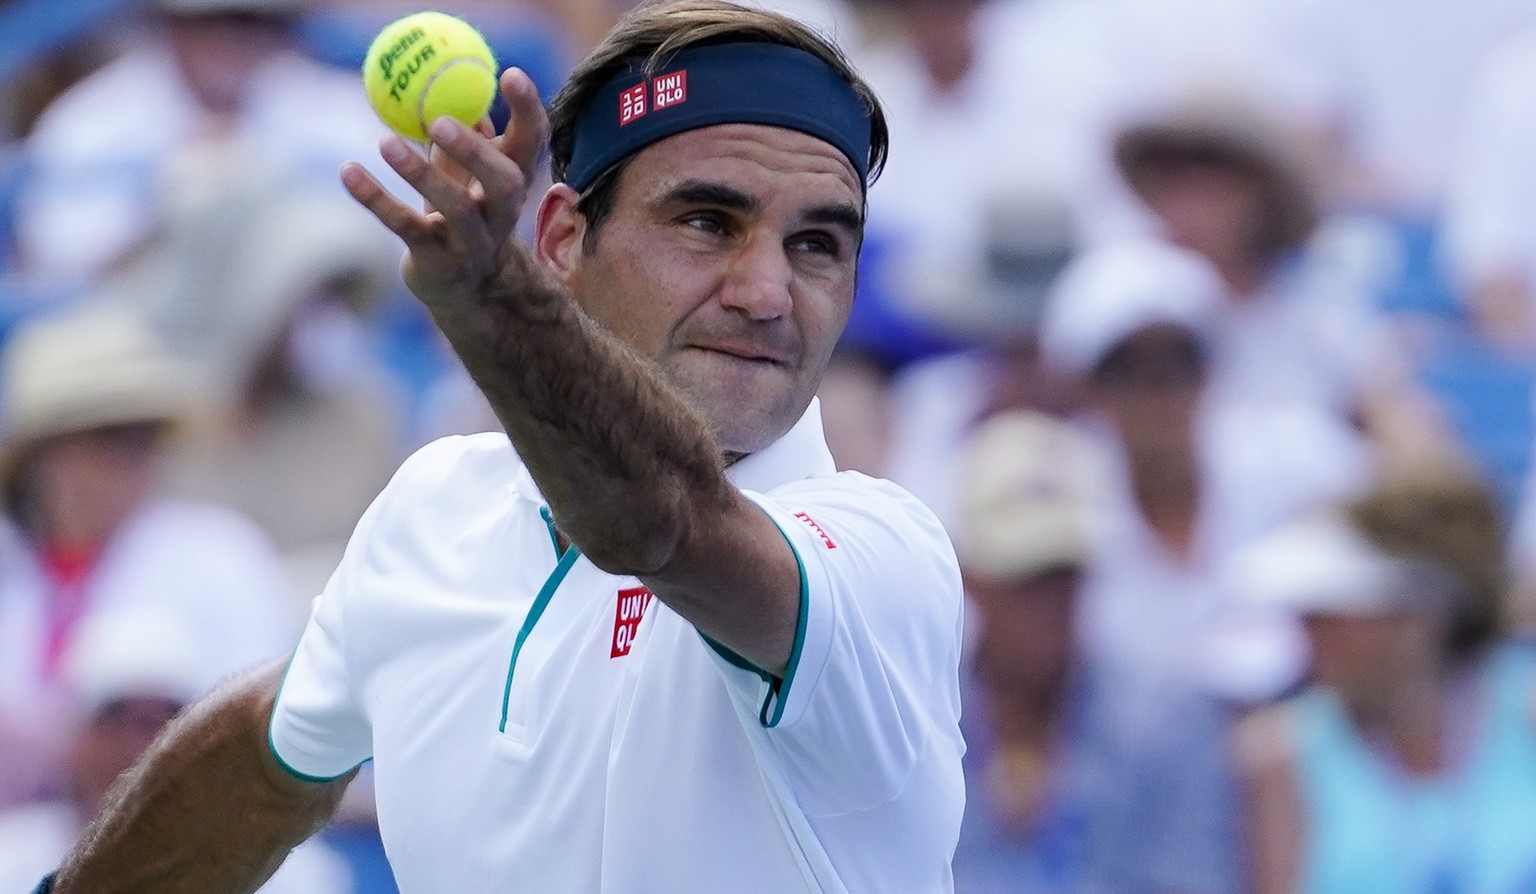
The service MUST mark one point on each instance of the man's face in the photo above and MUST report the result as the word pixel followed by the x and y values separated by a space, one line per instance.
pixel 1149 385
pixel 1214 207
pixel 729 261
pixel 1028 626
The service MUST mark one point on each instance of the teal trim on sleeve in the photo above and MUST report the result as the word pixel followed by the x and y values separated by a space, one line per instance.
pixel 551 584
pixel 272 745
pixel 736 660
pixel 778 687
pixel 44 886
pixel 778 691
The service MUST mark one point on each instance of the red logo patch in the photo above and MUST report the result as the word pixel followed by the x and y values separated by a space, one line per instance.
pixel 631 607
pixel 817 528
pixel 670 89
pixel 632 104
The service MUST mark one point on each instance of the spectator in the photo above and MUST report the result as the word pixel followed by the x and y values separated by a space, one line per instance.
pixel 1409 764
pixel 271 296
pixel 127 675
pixel 936 401
pixel 1224 178
pixel 1025 536
pixel 211 87
pixel 997 104
pixel 88 401
pixel 1172 656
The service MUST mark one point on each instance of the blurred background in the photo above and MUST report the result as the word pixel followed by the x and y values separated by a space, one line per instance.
pixel 1207 326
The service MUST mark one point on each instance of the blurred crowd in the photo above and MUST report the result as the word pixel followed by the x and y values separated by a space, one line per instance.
pixel 1207 326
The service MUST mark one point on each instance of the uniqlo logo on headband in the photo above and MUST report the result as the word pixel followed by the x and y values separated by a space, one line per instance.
pixel 632 104
pixel 670 89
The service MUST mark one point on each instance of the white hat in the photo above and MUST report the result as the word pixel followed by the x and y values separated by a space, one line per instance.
pixel 140 652
pixel 85 368
pixel 1027 496
pixel 1110 292
pixel 1320 565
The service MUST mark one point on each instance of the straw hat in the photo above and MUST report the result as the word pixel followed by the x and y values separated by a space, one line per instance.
pixel 1228 131
pixel 86 368
pixel 1028 497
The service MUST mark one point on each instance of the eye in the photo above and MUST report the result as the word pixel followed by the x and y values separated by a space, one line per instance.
pixel 816 243
pixel 705 222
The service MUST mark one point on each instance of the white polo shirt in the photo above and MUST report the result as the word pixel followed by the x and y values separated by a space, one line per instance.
pixel 537 724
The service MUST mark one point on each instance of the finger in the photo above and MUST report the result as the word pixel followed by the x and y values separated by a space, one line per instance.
pixel 451 168
pixel 455 171
pixel 500 186
pixel 404 221
pixel 456 202
pixel 528 125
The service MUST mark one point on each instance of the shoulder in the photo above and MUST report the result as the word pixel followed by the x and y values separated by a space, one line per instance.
pixel 1315 453
pixel 1264 741
pixel 865 507
pixel 458 463
pixel 202 534
pixel 872 541
pixel 445 483
pixel 112 100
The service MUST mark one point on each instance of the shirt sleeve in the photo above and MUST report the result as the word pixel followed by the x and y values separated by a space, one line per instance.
pixel 875 667
pixel 320 729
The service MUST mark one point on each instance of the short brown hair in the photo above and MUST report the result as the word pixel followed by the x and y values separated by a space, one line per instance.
pixel 655 30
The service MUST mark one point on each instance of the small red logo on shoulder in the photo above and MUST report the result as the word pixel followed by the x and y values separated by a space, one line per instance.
pixel 670 89
pixel 817 528
pixel 633 601
pixel 632 104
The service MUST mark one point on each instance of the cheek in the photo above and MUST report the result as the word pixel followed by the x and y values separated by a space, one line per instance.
pixel 821 312
pixel 641 296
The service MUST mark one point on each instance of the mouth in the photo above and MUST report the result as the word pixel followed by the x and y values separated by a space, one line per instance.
pixel 750 352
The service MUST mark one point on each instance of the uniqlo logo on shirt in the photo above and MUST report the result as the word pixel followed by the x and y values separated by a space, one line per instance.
pixel 670 89
pixel 817 528
pixel 632 104
pixel 626 618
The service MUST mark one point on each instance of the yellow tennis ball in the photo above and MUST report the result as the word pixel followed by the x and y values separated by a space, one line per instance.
pixel 425 66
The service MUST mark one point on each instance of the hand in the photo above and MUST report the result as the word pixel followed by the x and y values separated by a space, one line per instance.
pixel 475 185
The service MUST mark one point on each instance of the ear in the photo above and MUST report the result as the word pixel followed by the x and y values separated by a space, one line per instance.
pixel 559 232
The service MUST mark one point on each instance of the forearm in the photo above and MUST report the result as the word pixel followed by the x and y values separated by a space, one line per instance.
pixel 625 464
pixel 206 810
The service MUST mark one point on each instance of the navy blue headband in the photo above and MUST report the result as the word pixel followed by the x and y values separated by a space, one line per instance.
pixel 734 83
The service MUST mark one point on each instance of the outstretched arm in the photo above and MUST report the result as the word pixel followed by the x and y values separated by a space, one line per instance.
pixel 634 477
pixel 207 810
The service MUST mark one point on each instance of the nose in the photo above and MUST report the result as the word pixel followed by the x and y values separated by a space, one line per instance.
pixel 758 281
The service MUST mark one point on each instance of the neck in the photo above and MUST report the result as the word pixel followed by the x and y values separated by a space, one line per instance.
pixel 1025 724
pixel 1025 717
pixel 79 533
pixel 1410 721
pixel 1166 487
pixel 1242 276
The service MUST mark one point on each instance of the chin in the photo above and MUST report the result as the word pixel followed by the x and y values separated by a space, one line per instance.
pixel 746 426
